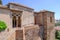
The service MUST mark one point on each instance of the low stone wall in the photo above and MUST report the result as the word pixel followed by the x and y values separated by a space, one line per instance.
pixel 11 36
pixel 32 33
pixel 24 33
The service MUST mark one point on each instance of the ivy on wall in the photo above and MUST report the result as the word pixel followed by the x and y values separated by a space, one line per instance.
pixel 2 26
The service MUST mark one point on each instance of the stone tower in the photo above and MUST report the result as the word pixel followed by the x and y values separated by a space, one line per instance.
pixel 45 19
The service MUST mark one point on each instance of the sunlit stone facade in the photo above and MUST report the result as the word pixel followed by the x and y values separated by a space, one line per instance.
pixel 25 24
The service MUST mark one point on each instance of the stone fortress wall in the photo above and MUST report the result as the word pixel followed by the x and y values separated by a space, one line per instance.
pixel 33 25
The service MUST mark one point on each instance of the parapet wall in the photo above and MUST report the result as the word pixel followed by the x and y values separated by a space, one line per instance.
pixel 28 33
pixel 32 33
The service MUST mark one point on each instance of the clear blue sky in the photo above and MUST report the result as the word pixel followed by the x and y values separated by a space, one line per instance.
pixel 51 5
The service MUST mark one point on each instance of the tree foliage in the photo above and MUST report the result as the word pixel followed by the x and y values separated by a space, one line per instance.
pixel 57 34
pixel 2 26
pixel 57 24
pixel 0 1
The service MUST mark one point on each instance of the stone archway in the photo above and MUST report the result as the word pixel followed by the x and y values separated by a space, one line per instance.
pixel 19 21
pixel 16 19
pixel 14 22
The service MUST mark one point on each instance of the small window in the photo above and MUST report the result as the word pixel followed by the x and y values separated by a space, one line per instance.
pixel 50 19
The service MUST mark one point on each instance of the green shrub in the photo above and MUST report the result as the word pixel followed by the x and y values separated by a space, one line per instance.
pixel 57 34
pixel 2 26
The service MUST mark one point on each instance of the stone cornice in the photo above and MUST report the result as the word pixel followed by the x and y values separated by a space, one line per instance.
pixel 45 11
pixel 5 7
pixel 21 5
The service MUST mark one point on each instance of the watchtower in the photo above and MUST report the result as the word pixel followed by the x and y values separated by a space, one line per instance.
pixel 45 19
